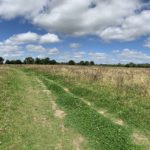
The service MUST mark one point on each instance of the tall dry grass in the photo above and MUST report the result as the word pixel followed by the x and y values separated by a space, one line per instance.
pixel 120 78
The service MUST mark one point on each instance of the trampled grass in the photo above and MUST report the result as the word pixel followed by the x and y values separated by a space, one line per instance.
pixel 26 116
pixel 108 107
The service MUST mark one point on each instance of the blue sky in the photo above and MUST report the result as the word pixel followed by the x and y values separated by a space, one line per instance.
pixel 110 31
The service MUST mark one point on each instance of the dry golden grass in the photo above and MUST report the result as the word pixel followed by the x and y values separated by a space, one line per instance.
pixel 121 78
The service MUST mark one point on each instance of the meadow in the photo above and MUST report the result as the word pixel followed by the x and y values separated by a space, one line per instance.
pixel 62 107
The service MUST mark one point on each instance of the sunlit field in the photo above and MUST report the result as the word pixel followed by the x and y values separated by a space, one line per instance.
pixel 61 107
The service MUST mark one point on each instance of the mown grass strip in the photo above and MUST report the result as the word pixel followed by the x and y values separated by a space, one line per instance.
pixel 27 121
pixel 129 106
pixel 102 133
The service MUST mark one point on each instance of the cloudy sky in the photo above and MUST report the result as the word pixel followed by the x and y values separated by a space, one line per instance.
pixel 106 31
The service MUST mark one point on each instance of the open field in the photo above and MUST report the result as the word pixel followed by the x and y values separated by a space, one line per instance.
pixel 45 107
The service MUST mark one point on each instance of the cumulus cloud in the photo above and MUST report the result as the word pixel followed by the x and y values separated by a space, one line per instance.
pixel 9 51
pixel 76 17
pixel 53 51
pixel 49 38
pixel 29 8
pixel 127 55
pixel 117 56
pixel 22 38
pixel 31 41
pixel 35 48
pixel 108 19
pixel 40 48
pixel 132 27
pixel 98 56
pixel 31 37
pixel 79 55
pixel 74 45
pixel 147 43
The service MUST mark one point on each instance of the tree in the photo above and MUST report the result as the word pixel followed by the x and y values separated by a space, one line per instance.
pixel 1 60
pixel 37 61
pixel 53 62
pixel 7 62
pixel 29 60
pixel 45 60
pixel 87 63
pixel 81 63
pixel 131 64
pixel 13 62
pixel 18 61
pixel 92 63
pixel 71 62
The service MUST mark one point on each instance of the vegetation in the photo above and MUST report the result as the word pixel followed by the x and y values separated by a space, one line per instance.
pixel 87 107
pixel 13 62
pixel 28 120
pixel 45 61
pixel 71 62
pixel 1 60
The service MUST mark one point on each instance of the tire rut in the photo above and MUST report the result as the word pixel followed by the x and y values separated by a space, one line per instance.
pixel 137 137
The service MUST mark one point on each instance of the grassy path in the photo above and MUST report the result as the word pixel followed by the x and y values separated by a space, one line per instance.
pixel 102 126
pixel 28 120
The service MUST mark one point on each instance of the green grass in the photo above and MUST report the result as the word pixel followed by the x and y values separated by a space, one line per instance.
pixel 27 120
pixel 129 105
pixel 101 132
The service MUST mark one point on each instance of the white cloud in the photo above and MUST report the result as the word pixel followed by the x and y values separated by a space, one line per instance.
pixel 35 48
pixel 76 17
pixel 31 37
pixel 14 55
pixel 127 55
pixel 132 27
pixel 29 8
pixel 22 38
pixel 108 19
pixel 9 51
pixel 53 51
pixel 147 43
pixel 71 55
pixel 74 45
pixel 49 38
pixel 79 55
pixel 98 56
pixel 31 41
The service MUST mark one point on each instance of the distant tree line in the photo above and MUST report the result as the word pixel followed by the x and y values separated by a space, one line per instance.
pixel 85 63
pixel 1 60
pixel 47 60
pixel 131 64
pixel 30 60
